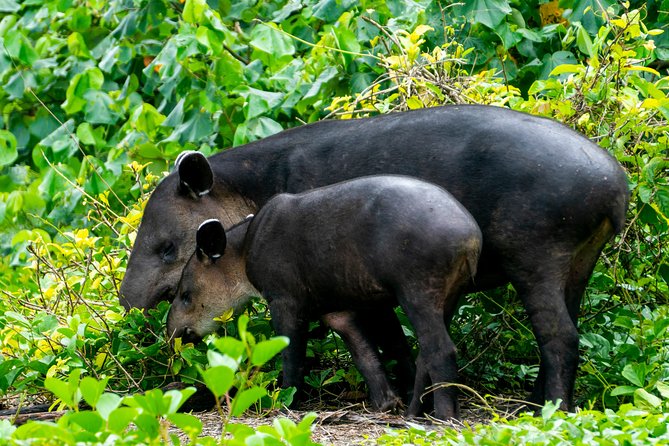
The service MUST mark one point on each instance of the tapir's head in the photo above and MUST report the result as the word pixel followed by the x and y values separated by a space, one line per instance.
pixel 213 282
pixel 166 236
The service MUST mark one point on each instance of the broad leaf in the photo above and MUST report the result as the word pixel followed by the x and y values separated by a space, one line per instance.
pixel 488 12
pixel 266 350
pixel 8 152
pixel 635 373
pixel 245 399
pixel 218 379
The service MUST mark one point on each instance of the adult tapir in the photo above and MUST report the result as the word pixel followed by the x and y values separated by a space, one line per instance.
pixel 545 197
pixel 366 243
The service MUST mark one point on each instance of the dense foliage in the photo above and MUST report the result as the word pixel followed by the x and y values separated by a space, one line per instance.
pixel 98 98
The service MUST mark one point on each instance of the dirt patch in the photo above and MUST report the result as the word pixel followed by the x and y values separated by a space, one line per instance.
pixel 356 425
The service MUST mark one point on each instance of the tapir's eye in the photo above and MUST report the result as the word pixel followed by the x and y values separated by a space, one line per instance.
pixel 185 298
pixel 169 253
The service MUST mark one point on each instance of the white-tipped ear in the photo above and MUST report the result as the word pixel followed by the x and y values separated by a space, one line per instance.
pixel 195 175
pixel 181 155
pixel 210 239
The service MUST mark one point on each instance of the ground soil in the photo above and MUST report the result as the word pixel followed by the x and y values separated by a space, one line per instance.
pixel 355 424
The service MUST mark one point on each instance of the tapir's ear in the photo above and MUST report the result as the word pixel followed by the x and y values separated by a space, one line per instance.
pixel 210 239
pixel 195 175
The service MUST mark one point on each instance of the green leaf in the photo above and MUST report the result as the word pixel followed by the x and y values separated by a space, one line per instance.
pixel 488 12
pixel 18 47
pixel 273 46
pixel 549 409
pixel 551 61
pixel 188 423
pixel 91 136
pixel 646 400
pixel 147 119
pixel 210 39
pixel 507 35
pixel 567 68
pixel 9 6
pixel 230 346
pixel 8 152
pixel 266 350
pixel 107 403
pixel 197 125
pixel 242 327
pixel 328 10
pixel 90 421
pixel 307 421
pixel 77 45
pixel 100 108
pixel 623 390
pixel 119 419
pixel 635 373
pixel 61 389
pixel 584 42
pixel 80 20
pixel 663 388
pixel 91 79
pixel 91 389
pixel 218 379
pixel 414 103
pixel 245 399
pixel 194 11
pixel 148 424
pixel 347 41
pixel 260 102
pixel 176 398
pixel 259 128
pixel 50 432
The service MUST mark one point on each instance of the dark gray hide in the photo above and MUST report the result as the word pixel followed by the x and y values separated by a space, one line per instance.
pixel 358 245
pixel 545 197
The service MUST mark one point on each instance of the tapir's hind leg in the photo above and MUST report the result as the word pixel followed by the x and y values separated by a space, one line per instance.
pixel 437 357
pixel 426 305
pixel 541 288
pixel 580 269
pixel 582 266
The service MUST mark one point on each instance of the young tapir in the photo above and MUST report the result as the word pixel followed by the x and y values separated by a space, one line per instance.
pixel 546 199
pixel 366 243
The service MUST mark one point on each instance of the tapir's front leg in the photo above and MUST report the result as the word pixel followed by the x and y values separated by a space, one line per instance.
pixel 289 319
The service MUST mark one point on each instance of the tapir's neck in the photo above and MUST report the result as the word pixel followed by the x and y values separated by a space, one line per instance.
pixel 240 289
pixel 256 172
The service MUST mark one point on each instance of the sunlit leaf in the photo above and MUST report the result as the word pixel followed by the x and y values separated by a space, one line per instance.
pixel 246 398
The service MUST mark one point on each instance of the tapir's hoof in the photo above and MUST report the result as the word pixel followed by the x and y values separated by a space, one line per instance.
pixel 418 410
pixel 392 403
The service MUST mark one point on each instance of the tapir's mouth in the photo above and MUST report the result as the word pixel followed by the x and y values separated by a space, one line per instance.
pixel 166 293
pixel 132 300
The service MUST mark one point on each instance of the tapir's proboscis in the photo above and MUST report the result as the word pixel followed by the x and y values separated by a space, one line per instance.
pixel 364 243
pixel 545 197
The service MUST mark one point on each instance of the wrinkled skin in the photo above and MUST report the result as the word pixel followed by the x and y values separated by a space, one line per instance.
pixel 546 199
pixel 370 242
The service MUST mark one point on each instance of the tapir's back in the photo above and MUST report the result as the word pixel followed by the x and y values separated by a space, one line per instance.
pixel 358 238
